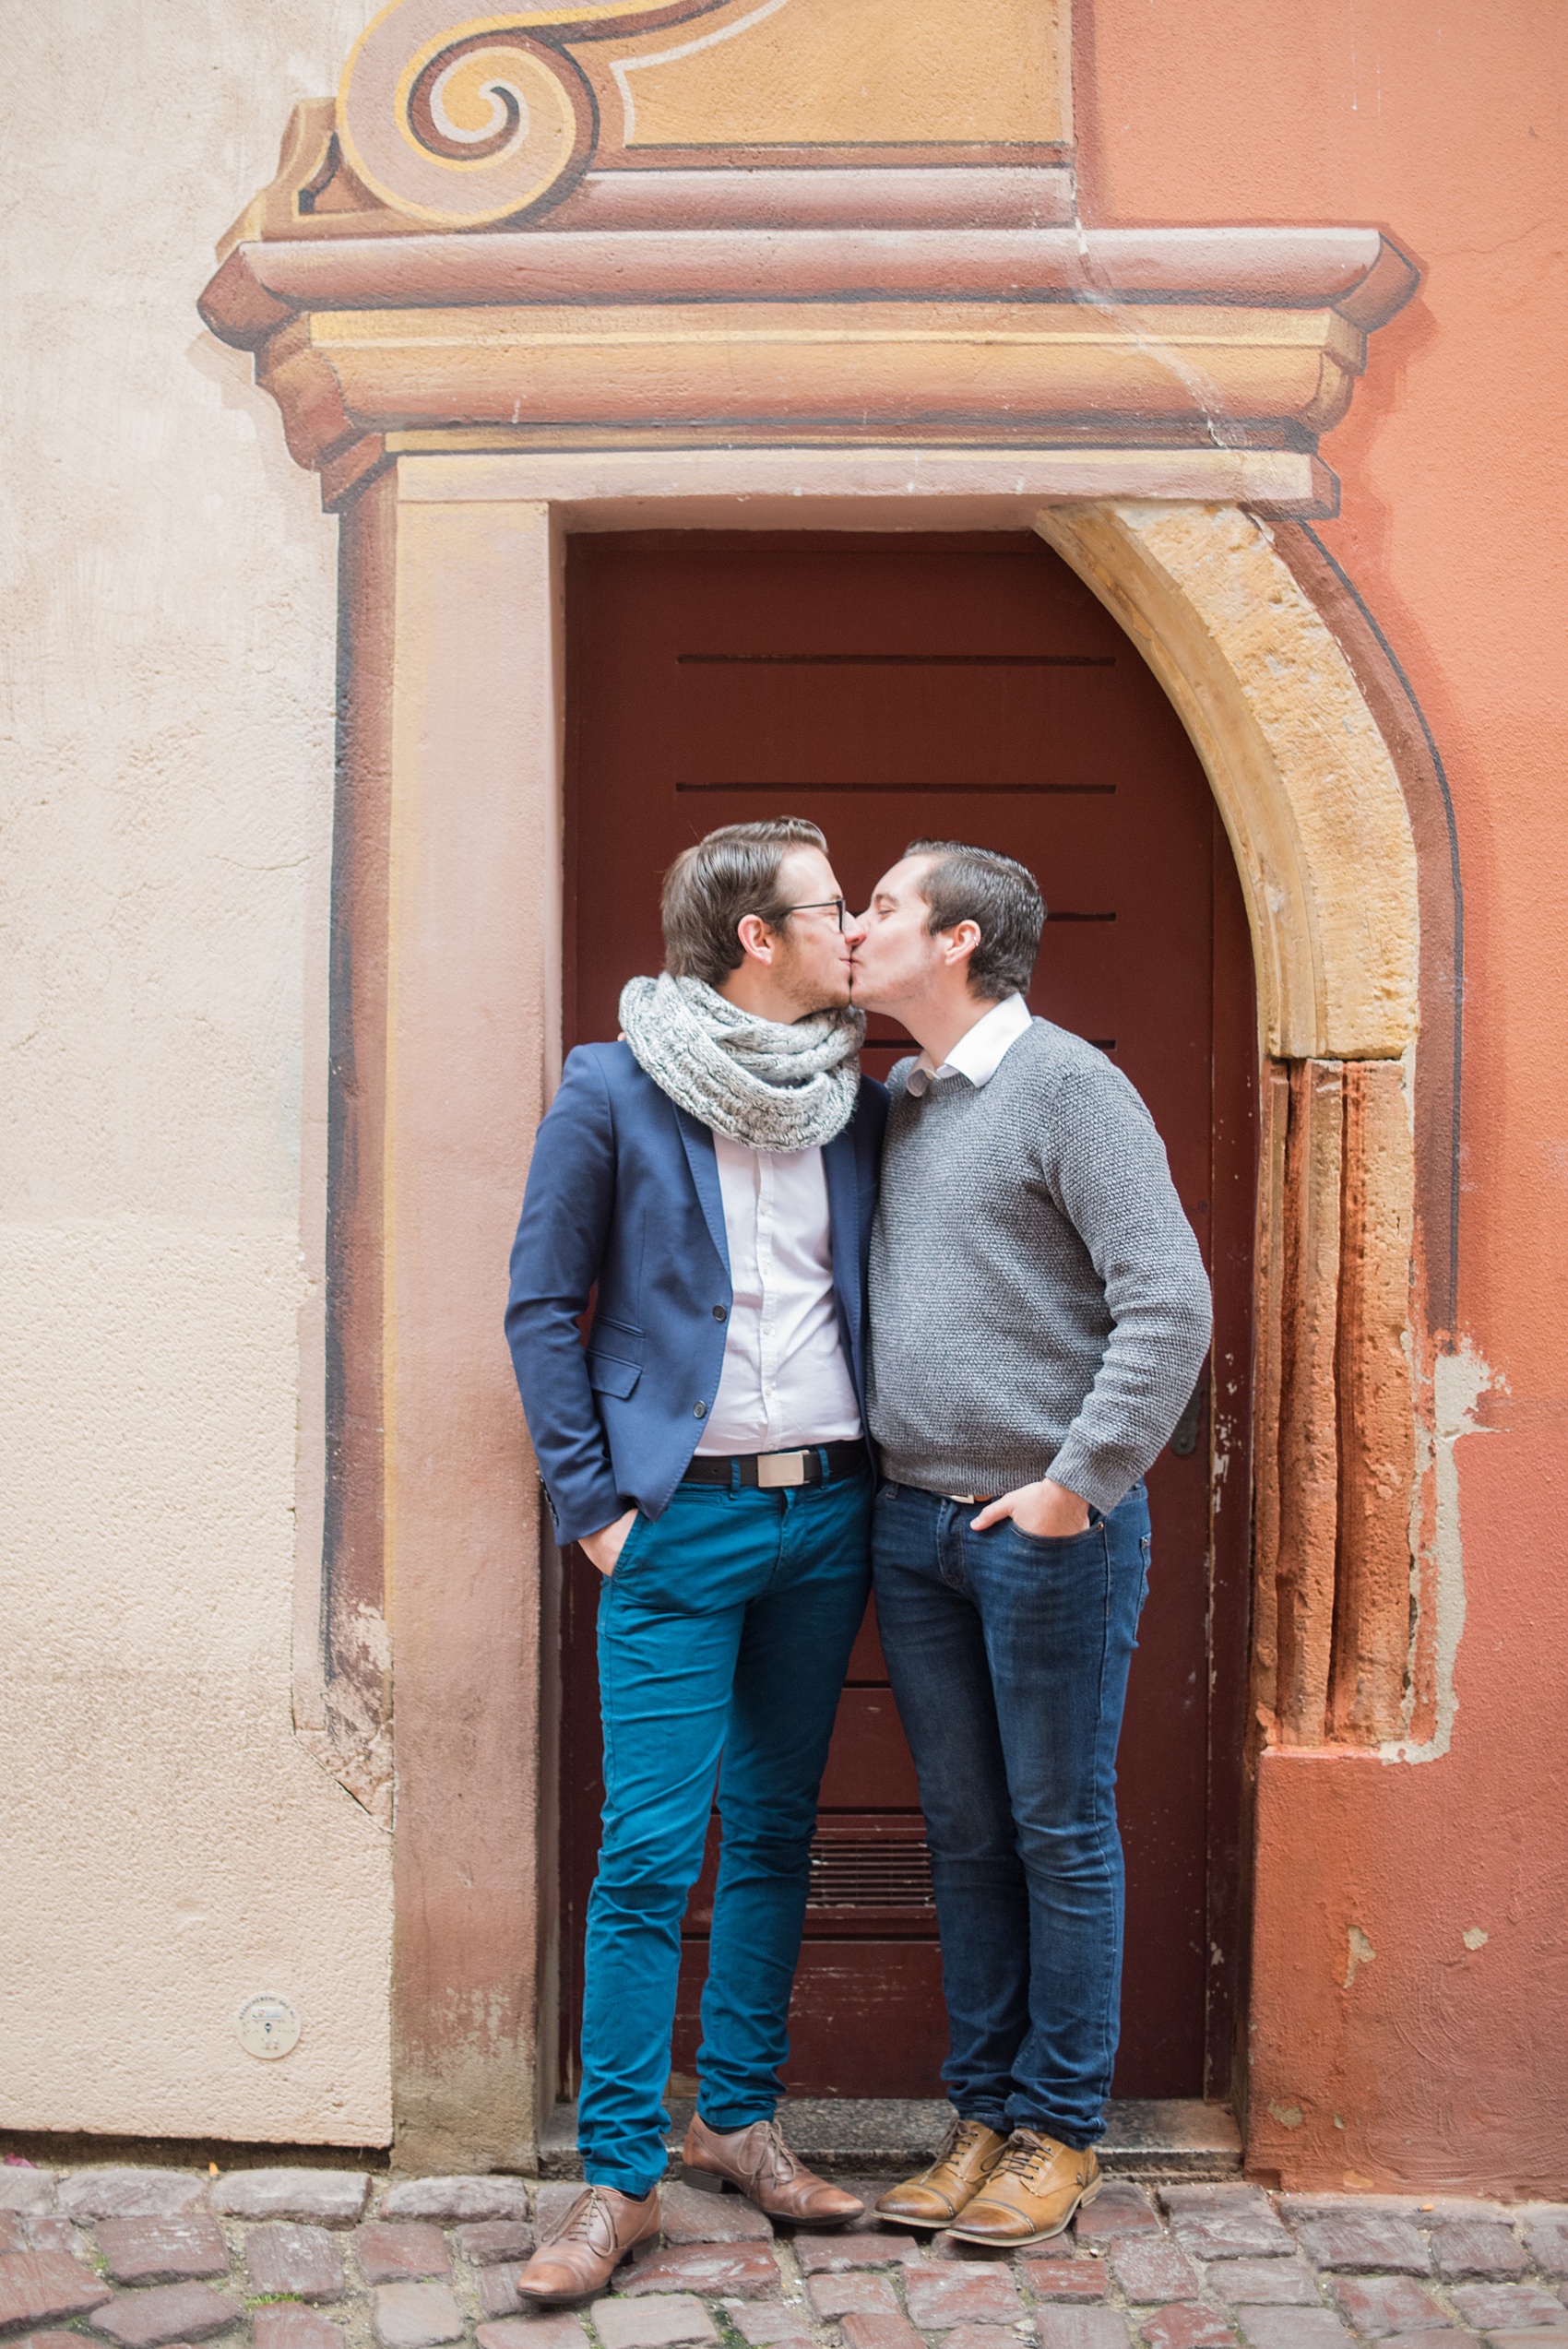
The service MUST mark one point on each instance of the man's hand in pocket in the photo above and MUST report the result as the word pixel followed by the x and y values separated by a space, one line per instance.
pixel 605 1547
pixel 1048 1510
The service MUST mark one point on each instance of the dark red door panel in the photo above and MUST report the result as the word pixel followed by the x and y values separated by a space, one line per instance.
pixel 949 687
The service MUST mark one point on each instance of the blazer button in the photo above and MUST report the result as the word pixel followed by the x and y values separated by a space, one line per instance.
pixel 699 1410
pixel 720 1314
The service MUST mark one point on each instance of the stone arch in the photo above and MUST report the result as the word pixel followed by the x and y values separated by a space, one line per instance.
pixel 1319 823
pixel 1304 781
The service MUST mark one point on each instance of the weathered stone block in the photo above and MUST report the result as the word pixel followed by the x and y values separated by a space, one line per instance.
pixel 45 2341
pixel 1391 2245
pixel 1152 2272
pixel 971 2293
pixel 1501 2307
pixel 167 2250
pixel 447 2200
pixel 43 2233
pixel 37 2286
pixel 1235 2230
pixel 981 2336
pixel 416 2316
pixel 400 2251
pixel 1065 2279
pixel 294 2328
pixel 304 2261
pixel 862 2290
pixel 1232 2197
pixel 653 2323
pixel 22 2187
pixel 1546 2236
pixel 743 2271
pixel 1292 2328
pixel 553 2329
pixel 1265 2283
pixel 13 2238
pixel 692 2216
pixel 1535 2337
pixel 128 2193
pixel 498 2294
pixel 763 2323
pixel 170 2312
pixel 313 2197
pixel 487 2240
pixel 1376 2305
pixel 1187 2327
pixel 1120 2208
pixel 830 2254
pixel 1477 2247
pixel 1081 2328
pixel 861 2330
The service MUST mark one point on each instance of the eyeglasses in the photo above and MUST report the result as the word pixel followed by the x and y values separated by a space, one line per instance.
pixel 821 904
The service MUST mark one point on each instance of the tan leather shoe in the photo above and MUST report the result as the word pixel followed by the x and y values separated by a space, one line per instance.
pixel 756 2162
pixel 1032 2192
pixel 589 2244
pixel 969 2154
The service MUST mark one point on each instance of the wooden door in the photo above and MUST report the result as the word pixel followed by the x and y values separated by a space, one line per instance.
pixel 967 688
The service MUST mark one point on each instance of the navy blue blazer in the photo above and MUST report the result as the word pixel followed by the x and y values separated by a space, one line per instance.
pixel 622 1194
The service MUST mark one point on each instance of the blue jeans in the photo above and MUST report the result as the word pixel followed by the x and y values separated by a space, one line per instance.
pixel 725 1628
pixel 1008 1653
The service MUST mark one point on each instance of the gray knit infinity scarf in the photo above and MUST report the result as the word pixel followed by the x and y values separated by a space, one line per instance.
pixel 772 1087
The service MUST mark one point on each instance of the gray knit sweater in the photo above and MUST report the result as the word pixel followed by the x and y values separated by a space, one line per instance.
pixel 1038 1301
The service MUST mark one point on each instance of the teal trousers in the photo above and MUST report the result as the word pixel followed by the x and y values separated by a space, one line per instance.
pixel 723 1638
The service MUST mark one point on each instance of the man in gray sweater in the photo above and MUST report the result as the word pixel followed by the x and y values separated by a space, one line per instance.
pixel 1039 1315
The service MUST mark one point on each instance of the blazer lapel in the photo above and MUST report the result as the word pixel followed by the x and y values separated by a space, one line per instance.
pixel 841 1175
pixel 697 1142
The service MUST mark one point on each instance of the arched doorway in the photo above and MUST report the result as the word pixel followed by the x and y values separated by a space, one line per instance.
pixel 970 686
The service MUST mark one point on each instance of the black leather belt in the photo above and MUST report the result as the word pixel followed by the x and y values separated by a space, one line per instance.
pixel 816 1464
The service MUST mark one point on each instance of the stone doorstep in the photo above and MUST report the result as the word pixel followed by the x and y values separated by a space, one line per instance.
pixel 1145 2138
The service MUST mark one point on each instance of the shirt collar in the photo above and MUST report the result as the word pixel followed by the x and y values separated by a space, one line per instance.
pixel 979 1053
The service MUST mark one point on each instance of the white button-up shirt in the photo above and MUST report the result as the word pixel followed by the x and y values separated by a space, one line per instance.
pixel 979 1054
pixel 785 1381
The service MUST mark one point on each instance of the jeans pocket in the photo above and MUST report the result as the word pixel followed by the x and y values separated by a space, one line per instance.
pixel 1048 1545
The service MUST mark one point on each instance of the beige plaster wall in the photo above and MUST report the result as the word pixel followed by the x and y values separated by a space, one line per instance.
pixel 166 632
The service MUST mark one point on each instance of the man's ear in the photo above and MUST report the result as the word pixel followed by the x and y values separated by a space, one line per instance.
pixel 756 939
pixel 959 943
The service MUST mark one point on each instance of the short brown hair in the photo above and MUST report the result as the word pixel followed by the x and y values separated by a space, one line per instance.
pixel 965 883
pixel 710 889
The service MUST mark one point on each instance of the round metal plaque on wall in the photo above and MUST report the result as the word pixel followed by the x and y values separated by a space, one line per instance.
pixel 268 2027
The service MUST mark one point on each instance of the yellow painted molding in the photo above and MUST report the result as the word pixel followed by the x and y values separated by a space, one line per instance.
pixel 1304 779
pixel 856 370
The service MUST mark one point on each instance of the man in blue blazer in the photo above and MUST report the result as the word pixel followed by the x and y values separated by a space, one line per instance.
pixel 709 1182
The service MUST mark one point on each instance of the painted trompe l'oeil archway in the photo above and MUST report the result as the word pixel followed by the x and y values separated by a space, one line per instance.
pixel 803 332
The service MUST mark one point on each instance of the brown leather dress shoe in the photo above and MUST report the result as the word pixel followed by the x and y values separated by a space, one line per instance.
pixel 969 2154
pixel 1032 2192
pixel 588 2246
pixel 756 2162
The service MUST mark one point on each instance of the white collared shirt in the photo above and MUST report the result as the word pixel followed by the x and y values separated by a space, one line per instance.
pixel 980 1052
pixel 785 1381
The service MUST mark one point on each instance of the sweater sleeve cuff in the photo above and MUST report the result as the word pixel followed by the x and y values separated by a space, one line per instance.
pixel 1101 1481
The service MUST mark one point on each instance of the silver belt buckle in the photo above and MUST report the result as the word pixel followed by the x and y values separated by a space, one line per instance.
pixel 774 1469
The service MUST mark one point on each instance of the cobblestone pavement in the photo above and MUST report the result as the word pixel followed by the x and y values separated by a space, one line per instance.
pixel 321 2258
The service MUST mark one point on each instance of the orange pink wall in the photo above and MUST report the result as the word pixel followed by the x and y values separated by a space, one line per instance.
pixel 1442 2059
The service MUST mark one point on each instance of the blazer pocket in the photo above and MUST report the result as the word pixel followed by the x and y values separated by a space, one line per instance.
pixel 608 1376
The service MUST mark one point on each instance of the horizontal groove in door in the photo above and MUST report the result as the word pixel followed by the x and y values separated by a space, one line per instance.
pixel 870 1872
pixel 901 790
pixel 896 660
